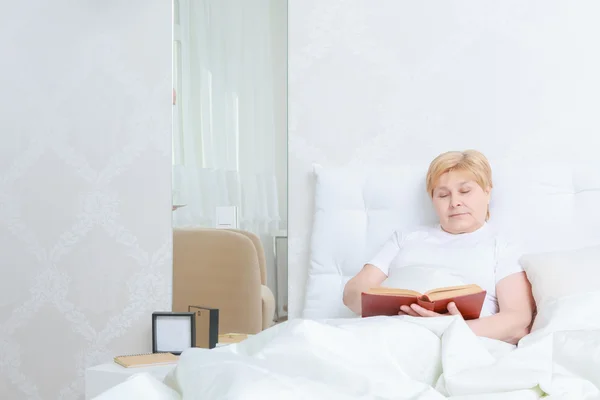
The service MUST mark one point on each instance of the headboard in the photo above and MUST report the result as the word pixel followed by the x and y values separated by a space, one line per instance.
pixel 545 206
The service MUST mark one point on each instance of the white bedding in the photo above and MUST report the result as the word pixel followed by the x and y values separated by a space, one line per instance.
pixel 395 358
pixel 388 358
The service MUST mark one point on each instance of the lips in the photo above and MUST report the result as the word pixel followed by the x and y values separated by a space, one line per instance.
pixel 458 214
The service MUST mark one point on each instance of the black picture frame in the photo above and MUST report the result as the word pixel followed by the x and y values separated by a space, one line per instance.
pixel 158 314
pixel 213 334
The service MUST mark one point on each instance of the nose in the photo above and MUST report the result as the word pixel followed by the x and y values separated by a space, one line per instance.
pixel 455 202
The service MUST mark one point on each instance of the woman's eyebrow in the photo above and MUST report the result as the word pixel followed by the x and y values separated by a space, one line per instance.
pixel 459 184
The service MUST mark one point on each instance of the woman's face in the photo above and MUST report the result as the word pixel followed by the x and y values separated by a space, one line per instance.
pixel 460 203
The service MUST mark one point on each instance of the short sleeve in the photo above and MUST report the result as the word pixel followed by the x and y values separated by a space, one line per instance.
pixel 507 259
pixel 388 252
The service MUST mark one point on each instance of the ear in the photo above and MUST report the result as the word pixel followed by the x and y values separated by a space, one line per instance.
pixel 488 193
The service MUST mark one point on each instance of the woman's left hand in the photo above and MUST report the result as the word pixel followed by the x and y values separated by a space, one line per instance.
pixel 417 311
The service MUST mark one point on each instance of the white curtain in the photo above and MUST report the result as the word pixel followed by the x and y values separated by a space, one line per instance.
pixel 224 144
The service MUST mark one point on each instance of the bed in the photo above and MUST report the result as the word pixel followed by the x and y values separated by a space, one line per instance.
pixel 329 353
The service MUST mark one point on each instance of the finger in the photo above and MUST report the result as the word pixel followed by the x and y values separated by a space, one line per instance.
pixel 452 309
pixel 408 311
pixel 423 312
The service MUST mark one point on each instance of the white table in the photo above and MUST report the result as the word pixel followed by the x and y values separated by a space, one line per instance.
pixel 102 377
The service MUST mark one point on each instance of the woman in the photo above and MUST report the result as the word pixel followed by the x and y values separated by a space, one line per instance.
pixel 459 184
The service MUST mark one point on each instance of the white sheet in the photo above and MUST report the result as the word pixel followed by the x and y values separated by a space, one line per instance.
pixel 393 358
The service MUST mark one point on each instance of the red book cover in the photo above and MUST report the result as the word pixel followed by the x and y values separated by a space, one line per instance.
pixel 387 301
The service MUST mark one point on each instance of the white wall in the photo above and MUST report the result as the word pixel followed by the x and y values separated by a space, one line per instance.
pixel 85 187
pixel 387 82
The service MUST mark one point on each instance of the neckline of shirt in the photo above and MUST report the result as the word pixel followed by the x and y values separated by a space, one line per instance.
pixel 483 228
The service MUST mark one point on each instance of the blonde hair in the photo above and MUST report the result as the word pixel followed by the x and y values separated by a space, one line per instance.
pixel 471 161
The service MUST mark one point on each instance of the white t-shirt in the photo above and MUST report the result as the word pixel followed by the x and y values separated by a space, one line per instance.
pixel 433 257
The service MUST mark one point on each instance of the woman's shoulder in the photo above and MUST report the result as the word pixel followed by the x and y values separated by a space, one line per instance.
pixel 507 242
pixel 501 234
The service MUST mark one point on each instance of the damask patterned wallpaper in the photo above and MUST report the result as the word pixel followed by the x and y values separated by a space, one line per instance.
pixel 85 187
pixel 387 81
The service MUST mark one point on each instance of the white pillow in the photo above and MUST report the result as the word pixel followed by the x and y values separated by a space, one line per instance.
pixel 566 288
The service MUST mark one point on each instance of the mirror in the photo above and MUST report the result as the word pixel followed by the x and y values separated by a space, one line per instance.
pixel 230 155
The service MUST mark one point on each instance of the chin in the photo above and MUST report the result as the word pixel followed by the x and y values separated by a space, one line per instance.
pixel 462 226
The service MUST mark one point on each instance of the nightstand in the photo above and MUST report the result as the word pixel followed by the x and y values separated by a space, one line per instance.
pixel 100 378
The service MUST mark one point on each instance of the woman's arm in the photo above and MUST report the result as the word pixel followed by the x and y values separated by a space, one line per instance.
pixel 510 324
pixel 516 307
pixel 368 277
pixel 373 273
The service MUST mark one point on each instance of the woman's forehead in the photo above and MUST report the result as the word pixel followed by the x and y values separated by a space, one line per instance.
pixel 454 179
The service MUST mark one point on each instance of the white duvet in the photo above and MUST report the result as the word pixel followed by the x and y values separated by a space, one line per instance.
pixel 393 358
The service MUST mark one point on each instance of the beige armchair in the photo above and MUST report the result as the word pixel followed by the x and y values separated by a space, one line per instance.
pixel 224 269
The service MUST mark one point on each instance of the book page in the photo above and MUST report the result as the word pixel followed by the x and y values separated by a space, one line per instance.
pixel 393 292
pixel 453 291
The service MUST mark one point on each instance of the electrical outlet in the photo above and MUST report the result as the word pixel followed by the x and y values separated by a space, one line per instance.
pixel 227 217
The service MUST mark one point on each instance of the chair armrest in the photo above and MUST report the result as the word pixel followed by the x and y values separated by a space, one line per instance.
pixel 268 306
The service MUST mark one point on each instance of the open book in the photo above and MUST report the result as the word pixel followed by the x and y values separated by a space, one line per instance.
pixel 387 301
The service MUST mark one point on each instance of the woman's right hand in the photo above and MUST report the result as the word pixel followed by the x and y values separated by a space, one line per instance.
pixel 416 310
